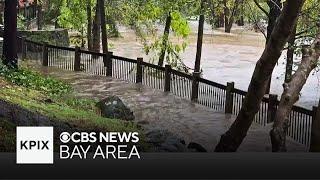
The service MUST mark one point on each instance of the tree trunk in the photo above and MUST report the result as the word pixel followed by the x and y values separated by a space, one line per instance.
pixel 103 27
pixel 165 40
pixel 240 21
pixel 96 29
pixel 290 55
pixel 221 20
pixel 10 57
pixel 274 13
pixel 200 39
pixel 89 25
pixel 230 20
pixel 226 15
pixel 291 95
pixel 39 17
pixel 231 140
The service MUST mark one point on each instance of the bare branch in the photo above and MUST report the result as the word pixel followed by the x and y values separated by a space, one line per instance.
pixel 276 4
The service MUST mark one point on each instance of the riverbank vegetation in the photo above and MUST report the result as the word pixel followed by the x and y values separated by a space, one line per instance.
pixel 54 99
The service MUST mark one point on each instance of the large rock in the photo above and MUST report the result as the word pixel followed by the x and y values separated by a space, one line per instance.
pixel 113 107
pixel 164 141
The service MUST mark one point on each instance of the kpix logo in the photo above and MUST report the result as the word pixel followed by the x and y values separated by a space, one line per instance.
pixel 34 145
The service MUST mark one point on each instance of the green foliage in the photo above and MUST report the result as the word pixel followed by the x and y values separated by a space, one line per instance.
pixel 73 14
pixel 21 22
pixel 33 80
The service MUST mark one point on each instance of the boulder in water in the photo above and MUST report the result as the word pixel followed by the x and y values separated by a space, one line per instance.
pixel 113 107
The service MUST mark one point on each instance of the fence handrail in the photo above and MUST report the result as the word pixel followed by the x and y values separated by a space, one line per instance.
pixel 228 98
pixel 179 73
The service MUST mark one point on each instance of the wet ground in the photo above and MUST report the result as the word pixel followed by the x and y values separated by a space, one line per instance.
pixel 154 109
pixel 226 58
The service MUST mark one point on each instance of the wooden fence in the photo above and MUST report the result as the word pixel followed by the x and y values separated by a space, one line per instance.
pixel 224 98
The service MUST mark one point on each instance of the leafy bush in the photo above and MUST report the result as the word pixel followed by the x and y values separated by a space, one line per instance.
pixel 33 80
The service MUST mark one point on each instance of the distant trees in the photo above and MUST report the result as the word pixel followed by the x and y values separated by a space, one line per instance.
pixel 224 13
pixel 231 9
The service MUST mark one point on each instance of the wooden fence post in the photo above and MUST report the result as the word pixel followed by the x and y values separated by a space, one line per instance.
pixel 167 79
pixel 139 70
pixel 77 59
pixel 45 55
pixel 229 98
pixel 108 63
pixel 315 130
pixel 23 48
pixel 195 86
pixel 272 107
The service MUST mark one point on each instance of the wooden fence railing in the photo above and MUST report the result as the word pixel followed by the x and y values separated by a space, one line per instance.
pixel 224 98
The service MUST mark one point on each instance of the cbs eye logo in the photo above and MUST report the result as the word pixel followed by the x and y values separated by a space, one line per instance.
pixel 78 137
pixel 65 137
pixel 34 145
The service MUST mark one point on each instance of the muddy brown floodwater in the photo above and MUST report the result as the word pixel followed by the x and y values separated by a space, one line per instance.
pixel 226 58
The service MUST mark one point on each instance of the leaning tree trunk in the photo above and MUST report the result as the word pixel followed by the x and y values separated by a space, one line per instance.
pixel 291 93
pixel 165 40
pixel 231 140
pixel 274 13
pixel 290 55
pixel 89 25
pixel 96 29
pixel 200 39
pixel 10 57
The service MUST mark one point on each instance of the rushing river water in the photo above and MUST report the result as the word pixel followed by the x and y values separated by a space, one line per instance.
pixel 226 58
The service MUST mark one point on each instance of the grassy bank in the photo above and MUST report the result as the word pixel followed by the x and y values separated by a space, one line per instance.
pixel 54 99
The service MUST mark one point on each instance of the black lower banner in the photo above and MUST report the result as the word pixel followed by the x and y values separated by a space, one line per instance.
pixel 170 166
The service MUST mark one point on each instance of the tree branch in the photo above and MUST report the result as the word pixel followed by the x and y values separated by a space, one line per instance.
pixel 261 8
